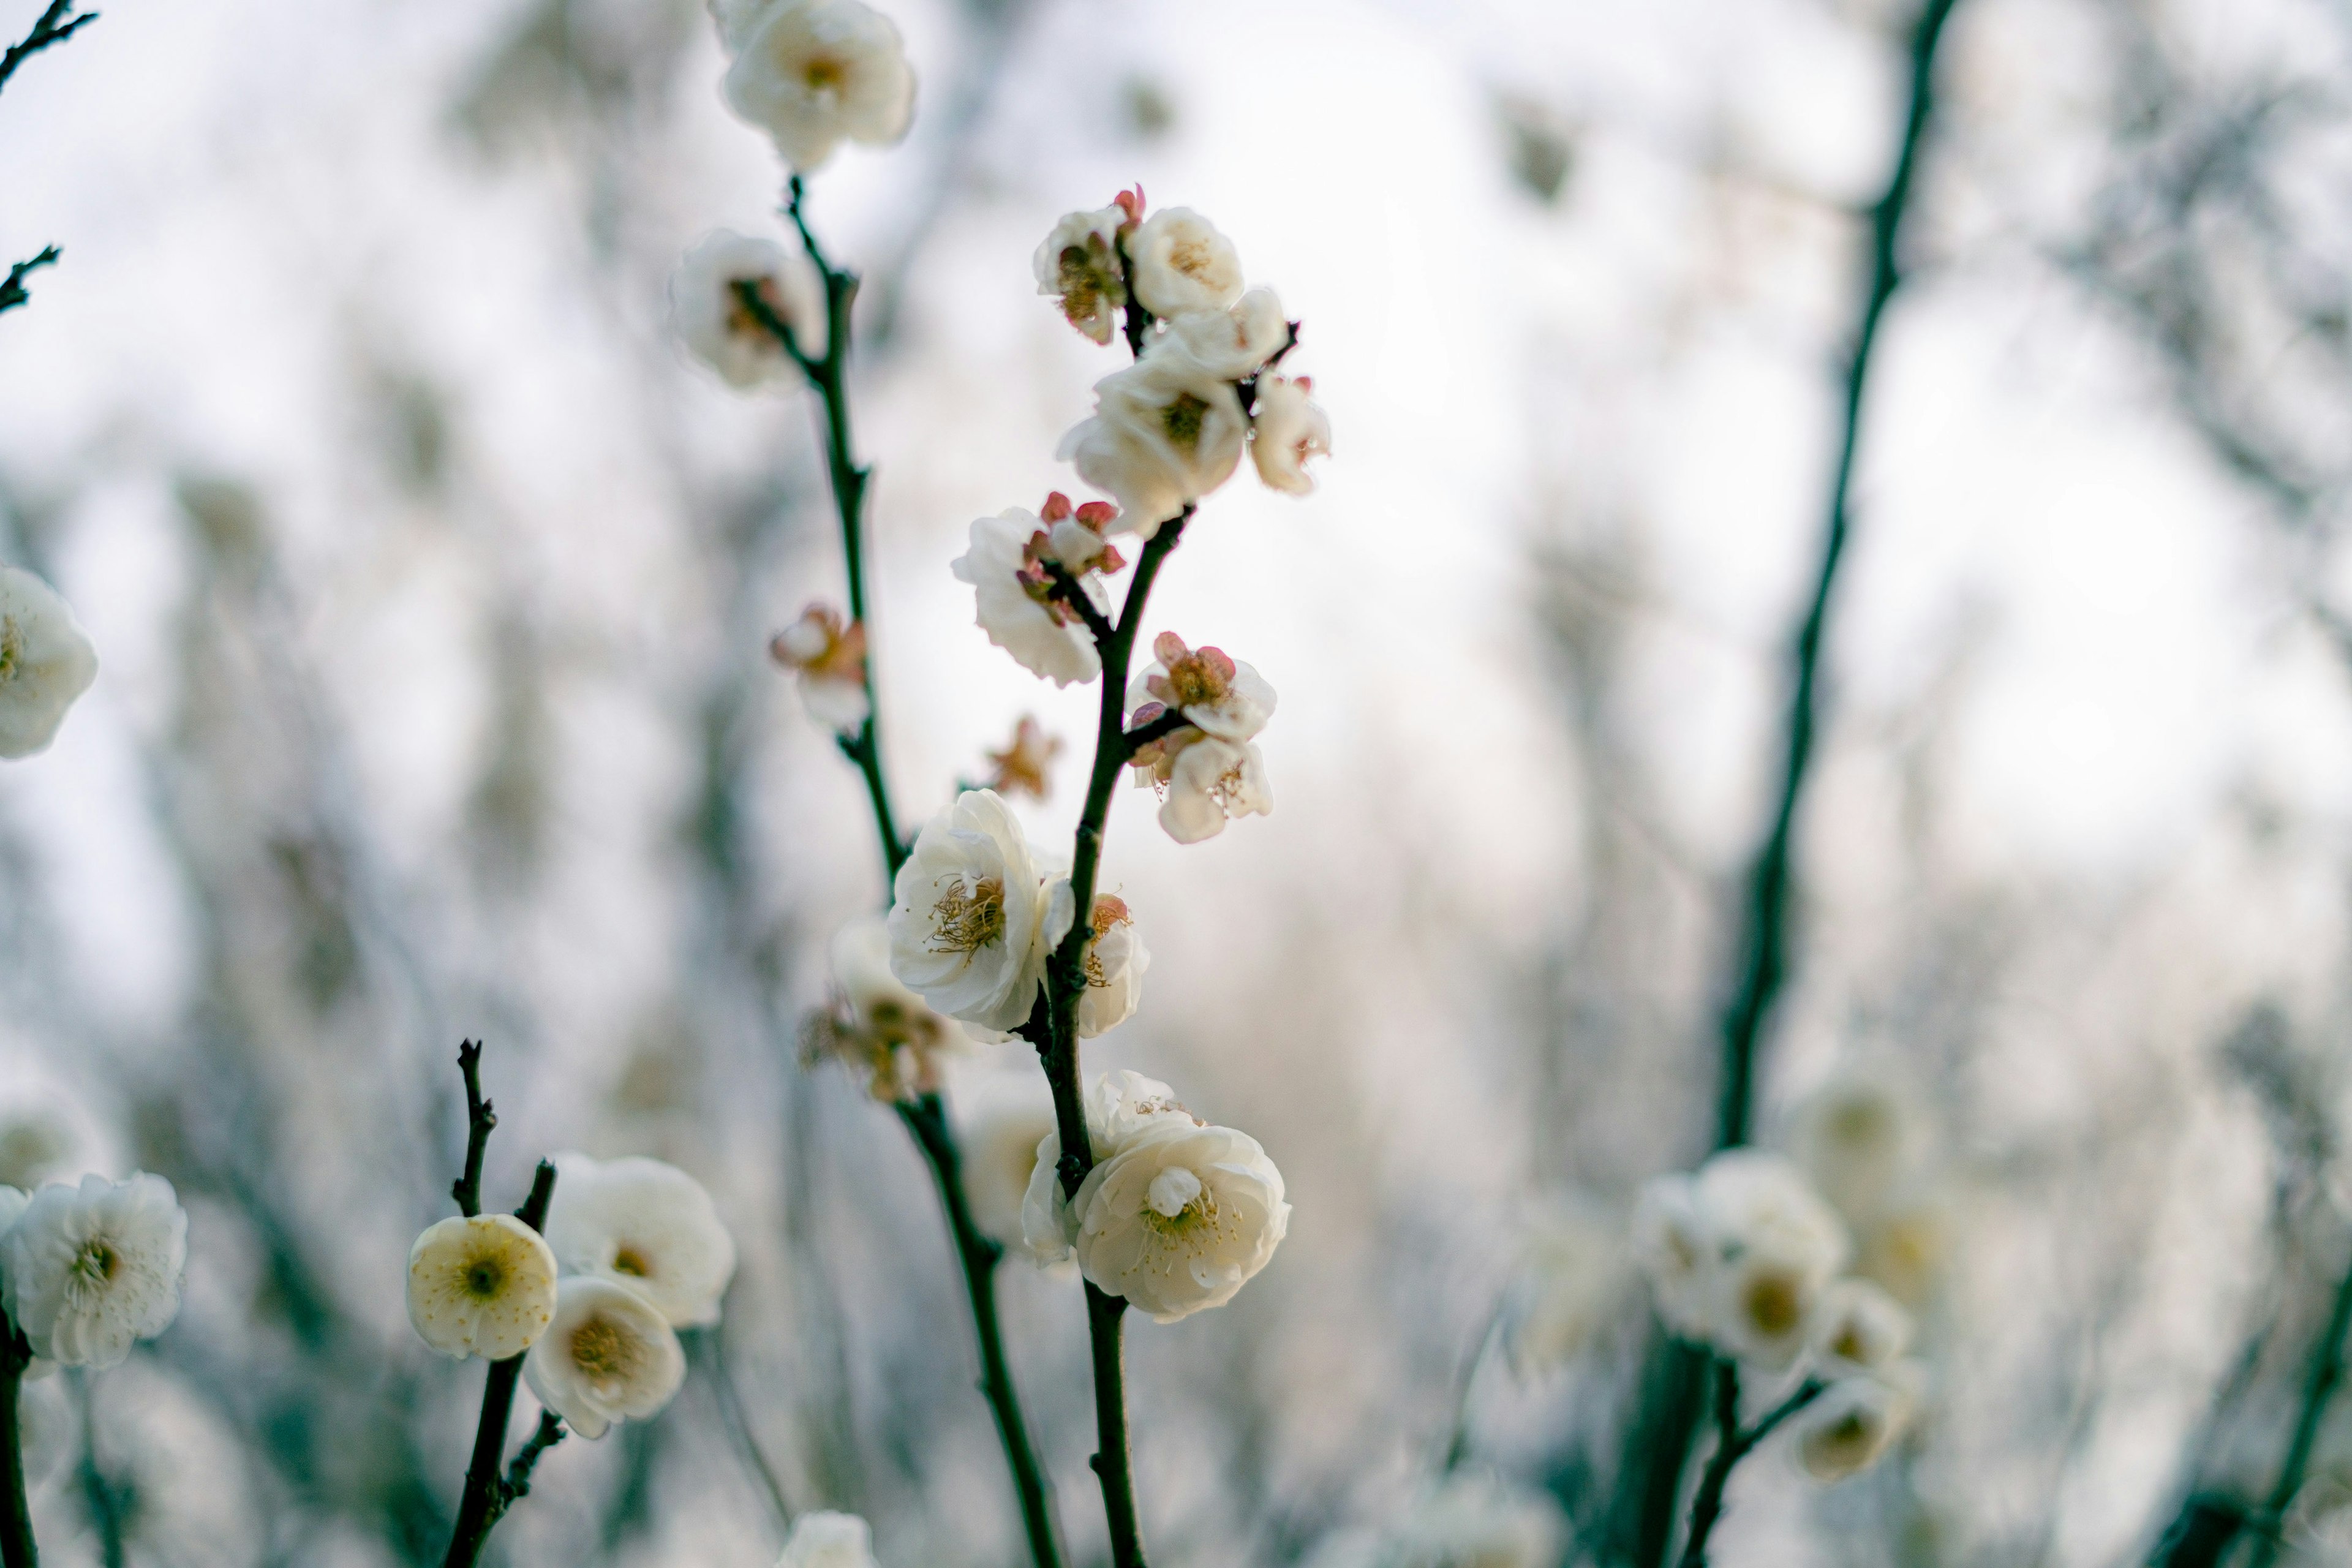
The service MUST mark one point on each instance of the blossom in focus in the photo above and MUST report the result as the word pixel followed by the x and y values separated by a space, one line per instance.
pixel 972 918
pixel 1115 962
pixel 1235 344
pixel 1474 1520
pixel 86 1270
pixel 1024 766
pixel 875 1023
pixel 1000 1137
pixel 1165 432
pixel 1855 1422
pixel 707 312
pixel 1209 782
pixel 483 1286
pixel 1288 428
pixel 828 1540
pixel 1739 1253
pixel 1183 263
pixel 828 654
pixel 1120 1107
pixel 1077 264
pixel 645 1225
pixel 1075 534
pixel 1215 693
pixel 1573 1267
pixel 1017 604
pixel 819 72
pixel 609 1356
pixel 46 662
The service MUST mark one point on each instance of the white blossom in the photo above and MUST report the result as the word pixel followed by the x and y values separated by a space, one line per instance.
pixel 1574 1267
pixel 46 662
pixel 1860 1138
pixel 1217 694
pixel 1183 263
pixel 973 920
pixel 1115 959
pixel 1025 765
pixel 1287 428
pixel 1853 1424
pixel 876 1024
pixel 647 1226
pixel 828 1540
pixel 1209 782
pixel 999 1134
pixel 1904 1244
pixel 1120 1107
pixel 1857 1326
pixel 1739 1253
pixel 707 312
pixel 86 1270
pixel 828 654
pixel 609 1356
pixel 1016 603
pixel 1165 432
pixel 1077 264
pixel 1235 344
pixel 819 72
pixel 483 1286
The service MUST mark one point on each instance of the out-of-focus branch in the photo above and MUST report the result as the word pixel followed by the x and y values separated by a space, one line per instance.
pixel 1733 1444
pixel 54 26
pixel 16 1548
pixel 2323 1377
pixel 13 292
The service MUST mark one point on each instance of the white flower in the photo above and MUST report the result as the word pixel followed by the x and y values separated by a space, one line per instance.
pixel 1235 344
pixel 1859 1138
pixel 645 1225
pixel 1739 1253
pixel 1025 765
pixel 46 1429
pixel 1120 1107
pixel 1574 1267
pixel 1845 1431
pixel 1165 432
pixel 1209 782
pixel 1857 1326
pixel 1116 959
pixel 821 72
pixel 1288 428
pixel 1016 605
pixel 828 654
pixel 1903 1247
pixel 46 663
pixel 1473 1521
pixel 1215 692
pixel 1001 1136
pixel 609 1356
pixel 88 1270
pixel 1183 263
pixel 1077 264
pixel 484 1286
pixel 828 1540
pixel 972 921
pixel 709 314
pixel 876 1023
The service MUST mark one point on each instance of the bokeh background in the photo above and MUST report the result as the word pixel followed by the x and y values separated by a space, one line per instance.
pixel 431 581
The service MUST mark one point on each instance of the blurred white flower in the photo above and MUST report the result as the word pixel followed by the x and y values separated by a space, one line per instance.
pixel 608 1356
pixel 973 920
pixel 1183 263
pixel 1763 1302
pixel 647 1226
pixel 1474 1520
pixel 46 662
pixel 1857 1326
pixel 1001 1137
pixel 876 1024
pixel 828 654
pixel 1846 1430
pixel 88 1270
pixel 1025 765
pixel 1235 344
pixel 47 1430
pixel 1120 1107
pixel 815 73
pixel 1574 1267
pixel 1859 1138
pixel 1739 1253
pixel 736 18
pixel 1077 264
pixel 1017 607
pixel 1215 693
pixel 1209 782
pixel 1904 1244
pixel 1165 432
pixel 1288 428
pixel 484 1286
pixel 828 1540
pixel 709 314
pixel 1116 959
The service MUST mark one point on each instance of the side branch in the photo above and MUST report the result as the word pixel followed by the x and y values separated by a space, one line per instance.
pixel 13 291
pixel 1067 591
pixel 57 25
pixel 479 1120
pixel 1734 1444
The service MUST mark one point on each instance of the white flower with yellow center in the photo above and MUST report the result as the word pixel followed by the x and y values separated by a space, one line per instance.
pixel 484 1286
pixel 1077 265
pixel 1739 1253
pixel 1165 432
pixel 819 72
pixel 877 1025
pixel 708 312
pixel 1850 1426
pixel 1017 605
pixel 1235 343
pixel 609 1356
pixel 46 662
pixel 1860 1138
pixel 1115 959
pixel 646 1225
pixel 1209 782
pixel 828 1540
pixel 1120 1107
pixel 1287 428
pixel 1183 263
pixel 1217 694
pixel 86 1270
pixel 971 920
pixel 1858 1327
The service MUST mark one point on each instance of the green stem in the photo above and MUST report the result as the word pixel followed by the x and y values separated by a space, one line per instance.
pixel 485 1497
pixel 17 1547
pixel 2320 1382
pixel 1733 1444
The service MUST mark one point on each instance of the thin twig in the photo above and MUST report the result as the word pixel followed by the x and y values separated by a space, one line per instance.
pixel 13 291
pixel 739 1425
pixel 1067 590
pixel 54 27
pixel 479 1120
pixel 516 1482
pixel 1733 1444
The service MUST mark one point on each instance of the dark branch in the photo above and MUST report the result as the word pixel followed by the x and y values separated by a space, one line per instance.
pixel 1152 729
pixel 1070 592
pixel 479 1120
pixel 517 1483
pixel 747 294
pixel 13 292
pixel 57 25
pixel 1733 1444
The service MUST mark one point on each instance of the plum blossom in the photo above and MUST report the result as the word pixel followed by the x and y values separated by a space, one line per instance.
pixel 1210 782
pixel 1024 766
pixel 1215 693
pixel 608 1356
pixel 645 1225
pixel 1018 604
pixel 1287 429
pixel 876 1024
pixel 972 918
pixel 1235 343
pixel 1853 1424
pixel 815 73
pixel 709 314
pixel 1858 1327
pixel 1115 962
pixel 1077 264
pixel 86 1270
pixel 1001 1131
pixel 46 662
pixel 828 1540
pixel 1182 263
pixel 1119 1106
pixel 482 1285
pixel 1860 1138
pixel 828 654
pixel 1165 432
pixel 1738 1254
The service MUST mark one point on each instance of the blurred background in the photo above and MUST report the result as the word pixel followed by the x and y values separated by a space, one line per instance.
pixel 432 581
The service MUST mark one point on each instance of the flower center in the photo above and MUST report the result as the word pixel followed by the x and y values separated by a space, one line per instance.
pixel 603 1350
pixel 628 1260
pixel 1194 680
pixel 484 1278
pixel 1773 1304
pixel 1190 257
pixel 1848 1343
pixel 821 73
pixel 12 649
pixel 967 920
pixel 97 1262
pixel 1182 420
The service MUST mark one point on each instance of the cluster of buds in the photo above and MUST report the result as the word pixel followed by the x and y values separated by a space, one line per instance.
pixel 1024 568
pixel 828 653
pixel 1206 767
pixel 1071 539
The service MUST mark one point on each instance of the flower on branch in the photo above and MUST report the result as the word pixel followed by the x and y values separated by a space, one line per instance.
pixel 483 1286
pixel 1077 265
pixel 609 1356
pixel 1115 962
pixel 86 1270
pixel 647 1226
pixel 877 1025
pixel 1020 605
pixel 828 1540
pixel 1076 535
pixel 1211 783
pixel 1738 1254
pixel 1849 1428
pixel 1001 1137
pixel 46 662
pixel 1215 693
pixel 973 920
pixel 1165 432
pixel 708 312
pixel 1024 766
pixel 1183 263
pixel 1288 428
pixel 815 73
pixel 1858 1327
pixel 1235 343
pixel 829 655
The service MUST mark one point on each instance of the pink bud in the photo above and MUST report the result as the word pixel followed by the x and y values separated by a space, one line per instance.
pixel 1167 647
pixel 1057 507
pixel 1096 514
